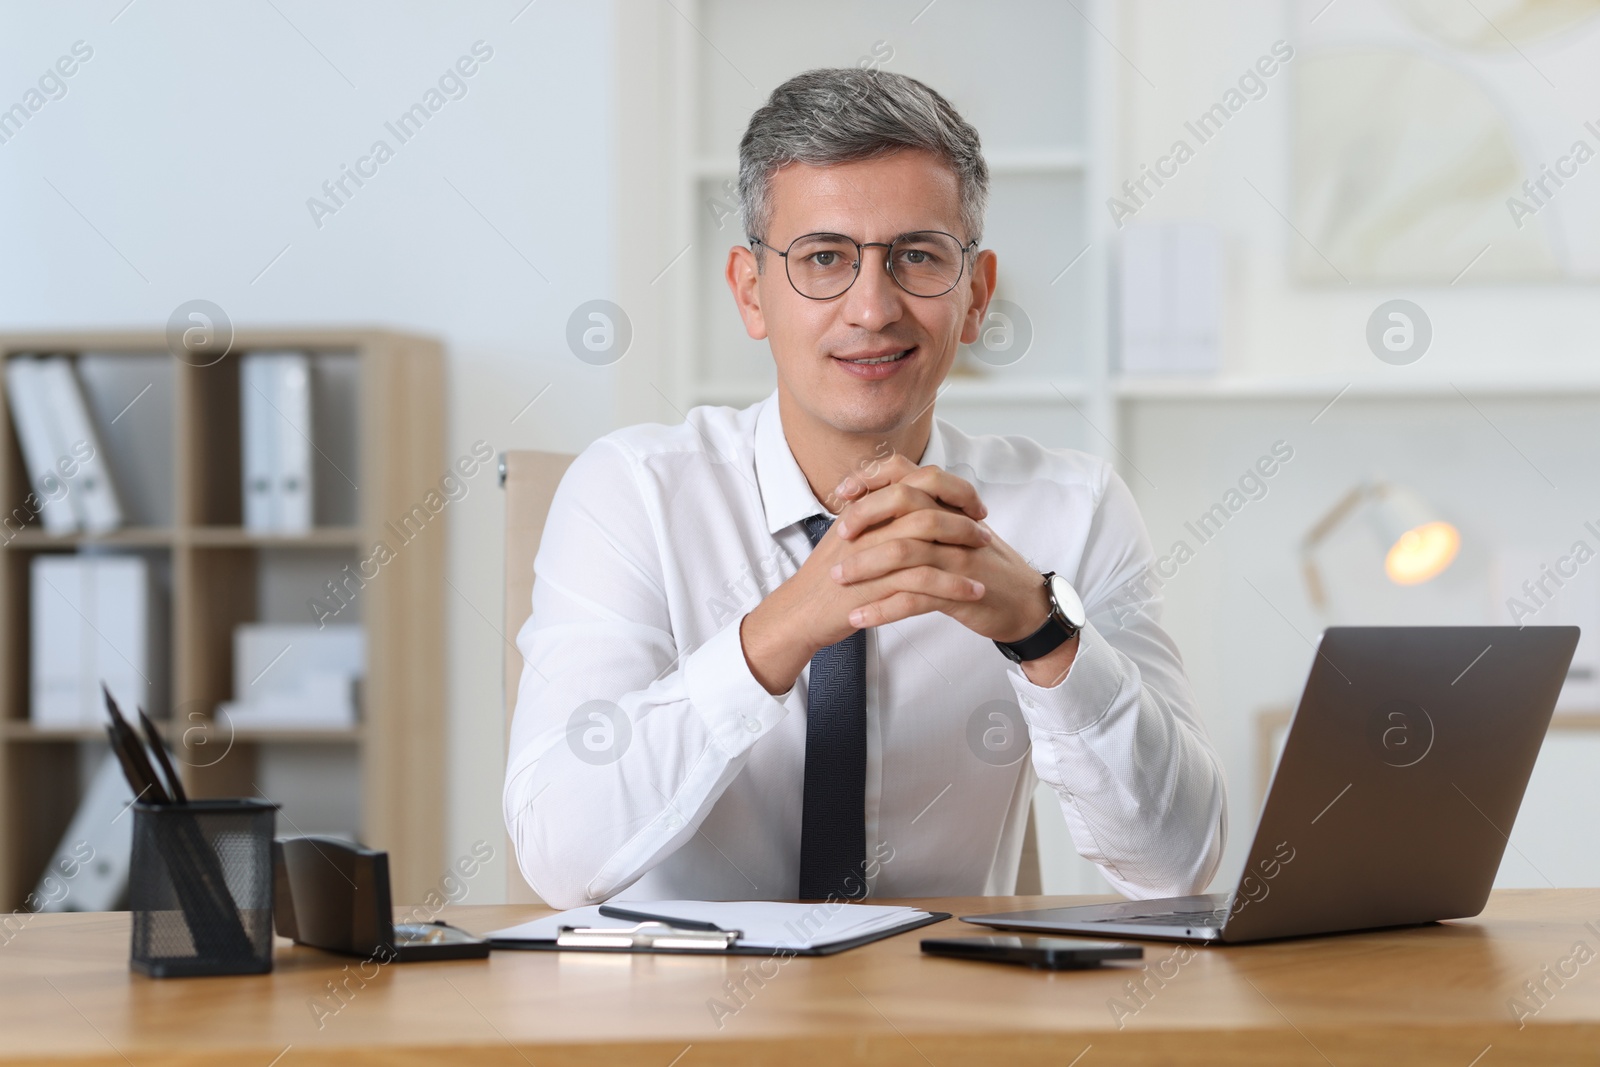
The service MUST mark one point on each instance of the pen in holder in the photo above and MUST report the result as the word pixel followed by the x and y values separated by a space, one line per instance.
pixel 200 878
pixel 200 888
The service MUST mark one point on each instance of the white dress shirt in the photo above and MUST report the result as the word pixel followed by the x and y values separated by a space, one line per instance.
pixel 646 761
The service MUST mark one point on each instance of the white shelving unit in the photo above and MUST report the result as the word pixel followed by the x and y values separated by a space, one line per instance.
pixel 1044 183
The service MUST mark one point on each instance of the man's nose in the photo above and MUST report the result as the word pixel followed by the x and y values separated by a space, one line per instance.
pixel 876 299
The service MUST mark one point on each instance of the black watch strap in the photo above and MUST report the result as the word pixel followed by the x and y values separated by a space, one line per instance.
pixel 1043 641
pixel 1054 633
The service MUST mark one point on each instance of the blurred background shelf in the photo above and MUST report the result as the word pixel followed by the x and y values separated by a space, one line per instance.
pixel 212 536
pixel 377 424
pixel 196 738
pixel 193 736
pixel 237 537
pixel 132 537
pixel 1327 388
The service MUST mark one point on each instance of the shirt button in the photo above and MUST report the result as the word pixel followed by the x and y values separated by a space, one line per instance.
pixel 753 726
pixel 673 822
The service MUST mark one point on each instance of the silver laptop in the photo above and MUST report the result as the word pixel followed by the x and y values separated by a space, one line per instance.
pixel 1394 797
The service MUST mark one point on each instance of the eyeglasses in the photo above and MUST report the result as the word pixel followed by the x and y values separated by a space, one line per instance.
pixel 822 266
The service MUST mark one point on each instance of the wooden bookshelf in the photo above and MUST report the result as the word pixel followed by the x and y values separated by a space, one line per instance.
pixel 379 436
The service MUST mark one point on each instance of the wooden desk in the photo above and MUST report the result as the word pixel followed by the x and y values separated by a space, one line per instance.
pixel 1432 995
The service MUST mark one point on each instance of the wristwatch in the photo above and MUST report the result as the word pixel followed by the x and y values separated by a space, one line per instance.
pixel 1065 620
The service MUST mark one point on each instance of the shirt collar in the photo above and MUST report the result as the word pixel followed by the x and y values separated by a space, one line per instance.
pixel 786 496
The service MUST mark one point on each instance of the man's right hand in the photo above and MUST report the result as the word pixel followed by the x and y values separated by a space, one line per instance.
pixel 811 610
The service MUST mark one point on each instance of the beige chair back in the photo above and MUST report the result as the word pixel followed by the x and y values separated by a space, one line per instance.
pixel 530 480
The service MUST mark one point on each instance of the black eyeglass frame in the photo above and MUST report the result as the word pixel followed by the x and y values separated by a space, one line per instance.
pixel 861 247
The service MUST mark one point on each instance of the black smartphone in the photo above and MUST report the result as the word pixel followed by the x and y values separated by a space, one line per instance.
pixel 1030 950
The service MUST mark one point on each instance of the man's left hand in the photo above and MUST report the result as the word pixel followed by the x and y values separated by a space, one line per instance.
pixel 1014 602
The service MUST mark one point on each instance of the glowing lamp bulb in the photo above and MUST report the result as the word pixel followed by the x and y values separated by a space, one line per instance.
pixel 1421 553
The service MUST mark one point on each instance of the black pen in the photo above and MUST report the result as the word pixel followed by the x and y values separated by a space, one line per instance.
pixel 136 767
pixel 611 912
pixel 174 784
pixel 138 787
pixel 204 900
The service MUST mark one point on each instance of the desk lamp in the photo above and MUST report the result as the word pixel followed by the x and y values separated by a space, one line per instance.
pixel 1419 544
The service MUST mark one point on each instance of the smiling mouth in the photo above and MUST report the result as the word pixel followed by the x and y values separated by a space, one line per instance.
pixel 873 360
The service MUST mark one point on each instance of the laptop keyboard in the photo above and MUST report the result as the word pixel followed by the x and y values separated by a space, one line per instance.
pixel 1171 918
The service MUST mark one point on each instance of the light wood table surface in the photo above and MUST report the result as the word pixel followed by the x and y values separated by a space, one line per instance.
pixel 1426 995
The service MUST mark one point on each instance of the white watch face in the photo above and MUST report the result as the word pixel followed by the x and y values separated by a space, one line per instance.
pixel 1066 599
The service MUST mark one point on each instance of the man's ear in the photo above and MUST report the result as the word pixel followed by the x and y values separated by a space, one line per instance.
pixel 744 282
pixel 985 268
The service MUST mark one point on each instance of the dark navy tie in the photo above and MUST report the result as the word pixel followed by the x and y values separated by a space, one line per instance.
pixel 833 831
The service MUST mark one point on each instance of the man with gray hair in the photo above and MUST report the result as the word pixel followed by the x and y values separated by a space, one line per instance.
pixel 827 645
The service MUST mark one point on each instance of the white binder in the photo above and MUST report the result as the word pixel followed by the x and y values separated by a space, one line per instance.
pixel 275 416
pixel 259 451
pixel 60 645
pixel 89 871
pixel 90 625
pixel 293 381
pixel 90 488
pixel 30 412
pixel 120 590
pixel 1170 298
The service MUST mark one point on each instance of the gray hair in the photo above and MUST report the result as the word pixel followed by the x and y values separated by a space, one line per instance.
pixel 840 115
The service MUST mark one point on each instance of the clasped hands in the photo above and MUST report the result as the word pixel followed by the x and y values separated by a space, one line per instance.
pixel 910 540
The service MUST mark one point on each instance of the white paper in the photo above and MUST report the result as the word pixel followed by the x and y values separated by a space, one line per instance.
pixel 764 923
pixel 296 677
pixel 273 657
pixel 320 701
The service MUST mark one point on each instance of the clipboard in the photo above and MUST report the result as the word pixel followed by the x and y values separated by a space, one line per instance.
pixel 663 938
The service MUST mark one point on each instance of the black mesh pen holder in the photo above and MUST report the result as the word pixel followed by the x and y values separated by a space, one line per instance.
pixel 200 888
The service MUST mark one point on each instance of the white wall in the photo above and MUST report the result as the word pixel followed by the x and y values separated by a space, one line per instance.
pixel 190 142
pixel 1193 50
pixel 1243 656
